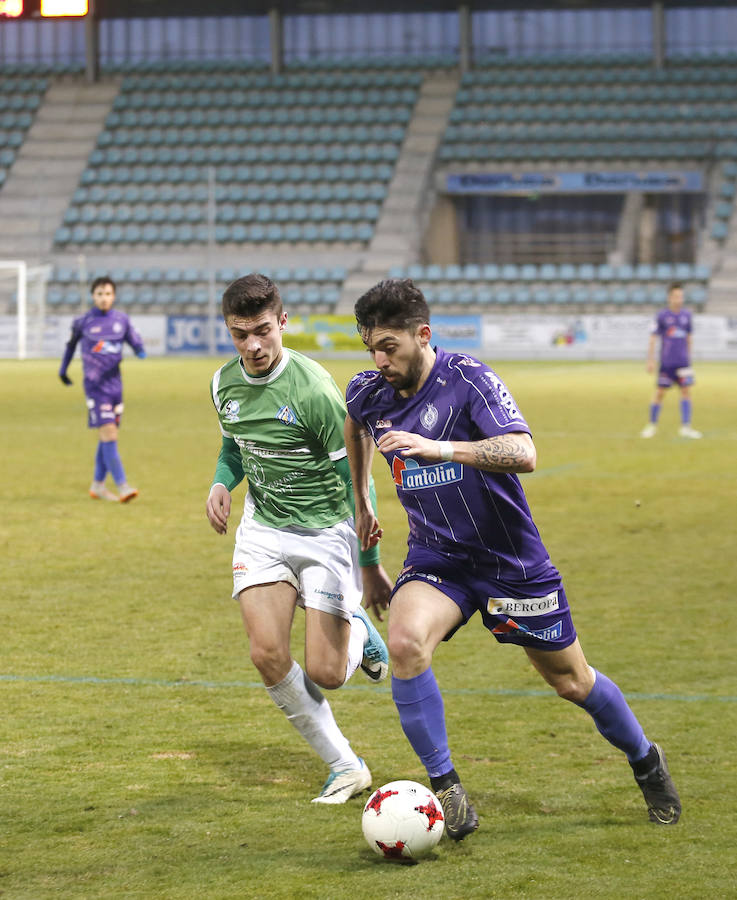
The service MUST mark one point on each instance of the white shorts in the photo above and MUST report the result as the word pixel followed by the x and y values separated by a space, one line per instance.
pixel 320 563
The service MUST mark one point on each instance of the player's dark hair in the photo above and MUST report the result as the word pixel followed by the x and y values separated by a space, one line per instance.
pixel 251 295
pixel 395 303
pixel 675 286
pixel 101 282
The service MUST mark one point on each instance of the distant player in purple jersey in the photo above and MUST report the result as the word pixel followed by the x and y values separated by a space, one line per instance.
pixel 102 332
pixel 455 441
pixel 673 326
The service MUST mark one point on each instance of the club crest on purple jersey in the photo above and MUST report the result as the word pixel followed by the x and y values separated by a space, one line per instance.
pixel 429 417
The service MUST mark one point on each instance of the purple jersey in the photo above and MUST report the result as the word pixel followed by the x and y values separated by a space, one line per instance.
pixel 102 335
pixel 674 329
pixel 458 510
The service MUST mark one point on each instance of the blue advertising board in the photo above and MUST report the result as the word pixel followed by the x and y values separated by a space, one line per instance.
pixel 190 334
pixel 583 182
pixel 461 333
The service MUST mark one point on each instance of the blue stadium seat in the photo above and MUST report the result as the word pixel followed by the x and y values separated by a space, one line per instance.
pixel 528 272
pixel 54 296
pixel 696 295
pixel 624 272
pixel 657 295
pixel 701 272
pixel 598 295
pixel 586 272
pixel 723 210
pixel 619 296
pixel 580 295
pixel 644 272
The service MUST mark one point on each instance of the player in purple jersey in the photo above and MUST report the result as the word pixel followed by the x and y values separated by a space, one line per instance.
pixel 455 442
pixel 103 331
pixel 673 326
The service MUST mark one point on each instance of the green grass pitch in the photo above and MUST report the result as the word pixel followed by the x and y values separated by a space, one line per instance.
pixel 140 758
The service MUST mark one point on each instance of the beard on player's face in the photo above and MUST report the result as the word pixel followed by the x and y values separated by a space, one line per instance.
pixel 406 377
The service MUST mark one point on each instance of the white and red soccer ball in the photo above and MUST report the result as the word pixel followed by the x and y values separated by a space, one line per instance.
pixel 403 820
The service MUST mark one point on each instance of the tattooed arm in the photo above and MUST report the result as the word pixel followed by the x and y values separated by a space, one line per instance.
pixel 513 452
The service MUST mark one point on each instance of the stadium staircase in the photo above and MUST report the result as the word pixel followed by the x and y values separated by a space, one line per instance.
pixel 49 164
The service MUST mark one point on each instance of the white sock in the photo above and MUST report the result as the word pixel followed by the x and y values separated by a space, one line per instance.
pixel 306 708
pixel 359 636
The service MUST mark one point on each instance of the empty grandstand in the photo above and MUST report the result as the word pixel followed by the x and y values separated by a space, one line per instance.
pixel 501 173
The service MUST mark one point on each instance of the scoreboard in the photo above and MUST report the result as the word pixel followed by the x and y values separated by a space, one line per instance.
pixel 25 9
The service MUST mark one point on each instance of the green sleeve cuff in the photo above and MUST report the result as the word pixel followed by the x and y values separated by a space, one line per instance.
pixel 372 556
pixel 229 468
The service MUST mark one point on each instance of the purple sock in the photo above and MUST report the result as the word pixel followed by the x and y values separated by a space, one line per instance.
pixel 422 716
pixel 685 411
pixel 614 719
pixel 112 461
pixel 100 467
pixel 654 413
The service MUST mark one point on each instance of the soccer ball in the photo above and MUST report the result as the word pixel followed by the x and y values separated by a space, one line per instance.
pixel 402 820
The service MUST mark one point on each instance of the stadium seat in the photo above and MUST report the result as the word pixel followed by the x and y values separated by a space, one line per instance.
pixel 696 295
pixel 723 209
pixel 619 296
pixel 586 272
pixel 598 295
pixel 550 272
pixel 528 272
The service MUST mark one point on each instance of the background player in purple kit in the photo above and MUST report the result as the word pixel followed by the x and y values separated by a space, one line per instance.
pixel 455 441
pixel 102 331
pixel 673 326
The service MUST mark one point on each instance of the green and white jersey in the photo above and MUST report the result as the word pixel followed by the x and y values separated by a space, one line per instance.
pixel 289 428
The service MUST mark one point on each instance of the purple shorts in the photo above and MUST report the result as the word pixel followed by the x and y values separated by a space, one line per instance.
pixel 104 408
pixel 680 375
pixel 534 615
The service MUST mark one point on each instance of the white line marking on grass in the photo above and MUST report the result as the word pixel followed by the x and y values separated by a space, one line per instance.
pixel 183 683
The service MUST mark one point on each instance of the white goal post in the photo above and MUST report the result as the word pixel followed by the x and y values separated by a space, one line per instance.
pixel 30 299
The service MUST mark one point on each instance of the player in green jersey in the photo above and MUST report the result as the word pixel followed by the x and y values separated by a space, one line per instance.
pixel 282 416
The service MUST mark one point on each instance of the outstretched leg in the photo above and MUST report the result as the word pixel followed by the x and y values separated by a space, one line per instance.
pixel 573 679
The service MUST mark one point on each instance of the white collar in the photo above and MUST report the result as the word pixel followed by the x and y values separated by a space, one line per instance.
pixel 272 376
